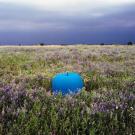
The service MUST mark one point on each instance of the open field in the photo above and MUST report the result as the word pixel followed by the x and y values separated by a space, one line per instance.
pixel 105 106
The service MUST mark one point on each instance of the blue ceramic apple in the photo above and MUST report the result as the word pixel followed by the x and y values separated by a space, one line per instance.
pixel 67 83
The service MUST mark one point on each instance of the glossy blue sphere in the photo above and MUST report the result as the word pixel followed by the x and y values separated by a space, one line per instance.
pixel 67 83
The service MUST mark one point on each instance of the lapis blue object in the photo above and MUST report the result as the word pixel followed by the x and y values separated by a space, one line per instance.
pixel 67 83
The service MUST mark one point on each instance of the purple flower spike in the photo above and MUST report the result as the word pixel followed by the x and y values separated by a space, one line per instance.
pixel 7 89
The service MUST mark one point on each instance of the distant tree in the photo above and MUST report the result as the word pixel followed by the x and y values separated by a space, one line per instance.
pixel 130 43
pixel 102 44
pixel 42 44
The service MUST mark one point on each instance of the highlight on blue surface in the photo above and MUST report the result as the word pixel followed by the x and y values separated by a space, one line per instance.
pixel 67 83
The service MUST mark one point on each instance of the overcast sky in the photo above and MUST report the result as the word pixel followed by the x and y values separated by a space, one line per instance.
pixel 67 21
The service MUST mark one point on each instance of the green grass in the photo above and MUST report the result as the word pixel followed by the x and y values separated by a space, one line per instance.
pixel 30 107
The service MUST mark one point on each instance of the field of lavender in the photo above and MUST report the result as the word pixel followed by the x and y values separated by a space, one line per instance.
pixel 105 106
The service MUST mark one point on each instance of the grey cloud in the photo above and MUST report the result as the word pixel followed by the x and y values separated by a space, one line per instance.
pixel 28 25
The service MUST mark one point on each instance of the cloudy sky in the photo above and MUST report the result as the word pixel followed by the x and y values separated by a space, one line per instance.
pixel 67 21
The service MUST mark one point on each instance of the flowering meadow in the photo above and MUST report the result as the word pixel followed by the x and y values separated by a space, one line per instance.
pixel 105 106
